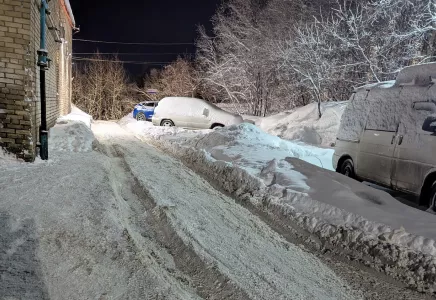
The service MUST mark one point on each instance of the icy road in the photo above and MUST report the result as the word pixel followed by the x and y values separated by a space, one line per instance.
pixel 127 221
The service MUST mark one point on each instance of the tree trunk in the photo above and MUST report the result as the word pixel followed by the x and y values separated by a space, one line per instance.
pixel 319 108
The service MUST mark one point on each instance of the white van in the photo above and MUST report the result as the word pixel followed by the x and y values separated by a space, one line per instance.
pixel 388 134
pixel 192 113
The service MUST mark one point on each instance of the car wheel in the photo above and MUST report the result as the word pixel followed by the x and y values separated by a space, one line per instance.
pixel 217 126
pixel 167 123
pixel 432 199
pixel 141 117
pixel 347 168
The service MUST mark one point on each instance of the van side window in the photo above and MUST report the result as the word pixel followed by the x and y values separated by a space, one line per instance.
pixel 418 117
pixel 412 121
pixel 384 110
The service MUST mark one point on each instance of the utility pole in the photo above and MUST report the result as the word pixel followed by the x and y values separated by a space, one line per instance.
pixel 43 63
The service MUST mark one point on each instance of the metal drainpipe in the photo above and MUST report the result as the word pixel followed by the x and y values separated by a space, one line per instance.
pixel 43 63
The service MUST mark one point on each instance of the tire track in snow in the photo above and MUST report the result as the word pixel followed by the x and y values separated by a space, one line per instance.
pixel 222 233
pixel 190 269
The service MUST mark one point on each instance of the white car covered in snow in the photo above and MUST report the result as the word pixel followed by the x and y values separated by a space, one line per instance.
pixel 388 134
pixel 192 113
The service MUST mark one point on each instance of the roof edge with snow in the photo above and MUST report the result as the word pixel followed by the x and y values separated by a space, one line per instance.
pixel 69 11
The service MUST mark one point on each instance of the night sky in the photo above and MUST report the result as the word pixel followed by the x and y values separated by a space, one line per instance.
pixel 140 21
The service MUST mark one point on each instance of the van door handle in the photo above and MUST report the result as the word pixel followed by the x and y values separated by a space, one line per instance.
pixel 400 141
pixel 393 139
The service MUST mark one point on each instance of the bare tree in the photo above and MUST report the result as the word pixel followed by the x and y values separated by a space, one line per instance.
pixel 100 88
pixel 178 79
pixel 235 64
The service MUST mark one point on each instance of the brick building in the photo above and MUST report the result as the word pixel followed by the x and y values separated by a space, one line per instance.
pixel 20 105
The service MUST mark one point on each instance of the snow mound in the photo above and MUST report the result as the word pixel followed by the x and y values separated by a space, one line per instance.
pixel 248 145
pixel 132 124
pixel 77 115
pixel 8 158
pixel 71 136
pixel 303 124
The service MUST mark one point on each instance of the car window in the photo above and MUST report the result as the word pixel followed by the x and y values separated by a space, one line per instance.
pixel 149 104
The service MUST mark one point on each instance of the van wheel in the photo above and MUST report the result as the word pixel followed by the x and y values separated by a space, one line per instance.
pixel 167 123
pixel 432 198
pixel 347 168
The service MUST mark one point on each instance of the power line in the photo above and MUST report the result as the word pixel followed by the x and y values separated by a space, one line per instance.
pixel 121 62
pixel 123 43
pixel 116 53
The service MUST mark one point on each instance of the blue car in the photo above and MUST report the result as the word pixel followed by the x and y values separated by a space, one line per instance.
pixel 144 111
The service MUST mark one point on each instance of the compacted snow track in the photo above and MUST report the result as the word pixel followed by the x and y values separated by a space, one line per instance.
pixel 222 249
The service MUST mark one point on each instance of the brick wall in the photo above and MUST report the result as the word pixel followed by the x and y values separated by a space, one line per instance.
pixel 19 74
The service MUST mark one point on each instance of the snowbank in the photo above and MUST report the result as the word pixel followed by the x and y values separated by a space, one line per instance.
pixel 132 124
pixel 345 216
pixel 77 115
pixel 7 158
pixel 252 148
pixel 71 136
pixel 303 124
pixel 72 133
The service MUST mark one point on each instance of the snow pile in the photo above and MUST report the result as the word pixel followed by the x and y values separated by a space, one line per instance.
pixel 7 158
pixel 345 216
pixel 237 142
pixel 72 133
pixel 77 115
pixel 303 124
pixel 132 124
pixel 71 136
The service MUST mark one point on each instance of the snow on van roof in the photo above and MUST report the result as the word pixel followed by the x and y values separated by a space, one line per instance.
pixel 182 98
pixel 420 75
pixel 380 85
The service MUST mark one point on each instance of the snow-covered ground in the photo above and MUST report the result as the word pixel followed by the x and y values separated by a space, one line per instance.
pixel 111 217
pixel 127 221
pixel 284 178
